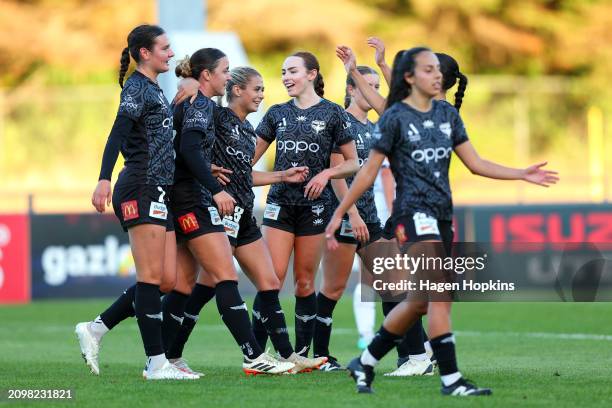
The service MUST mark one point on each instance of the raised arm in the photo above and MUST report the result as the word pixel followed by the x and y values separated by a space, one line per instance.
pixel 379 56
pixel 376 100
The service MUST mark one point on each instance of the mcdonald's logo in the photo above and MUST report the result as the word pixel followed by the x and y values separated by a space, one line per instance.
pixel 188 222
pixel 129 209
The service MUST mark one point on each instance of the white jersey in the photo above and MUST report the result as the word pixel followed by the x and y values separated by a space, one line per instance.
pixel 379 196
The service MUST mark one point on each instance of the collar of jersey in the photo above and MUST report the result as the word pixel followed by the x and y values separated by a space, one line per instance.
pixel 418 112
pixel 292 103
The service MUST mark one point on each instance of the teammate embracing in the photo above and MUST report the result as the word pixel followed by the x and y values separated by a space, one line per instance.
pixel 306 129
pixel 200 203
pixel 234 147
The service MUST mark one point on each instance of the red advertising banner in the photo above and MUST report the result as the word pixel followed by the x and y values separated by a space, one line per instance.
pixel 14 259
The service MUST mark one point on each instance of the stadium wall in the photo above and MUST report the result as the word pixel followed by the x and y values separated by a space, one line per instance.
pixel 87 255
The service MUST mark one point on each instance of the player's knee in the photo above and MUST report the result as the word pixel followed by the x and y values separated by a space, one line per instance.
pixel 304 287
pixel 333 291
pixel 421 308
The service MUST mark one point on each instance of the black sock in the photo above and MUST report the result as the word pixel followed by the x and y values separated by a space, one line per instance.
pixel 323 325
pixel 235 315
pixel 149 315
pixel 173 307
pixel 413 341
pixel 402 347
pixel 382 343
pixel 444 351
pixel 259 329
pixel 273 318
pixel 305 314
pixel 200 295
pixel 120 310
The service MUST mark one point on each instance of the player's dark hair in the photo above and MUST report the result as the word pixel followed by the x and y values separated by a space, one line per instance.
pixel 204 59
pixel 239 76
pixel 363 70
pixel 450 75
pixel 142 36
pixel 403 63
pixel 311 62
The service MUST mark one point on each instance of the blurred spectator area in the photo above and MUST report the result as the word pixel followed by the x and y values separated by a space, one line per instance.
pixel 52 138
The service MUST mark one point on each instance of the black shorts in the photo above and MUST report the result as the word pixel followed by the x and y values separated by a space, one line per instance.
pixel 136 204
pixel 300 220
pixel 345 234
pixel 419 227
pixel 241 228
pixel 198 220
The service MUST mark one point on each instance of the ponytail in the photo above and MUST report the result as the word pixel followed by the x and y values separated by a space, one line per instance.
pixel 450 75
pixel 463 81
pixel 125 63
pixel 319 85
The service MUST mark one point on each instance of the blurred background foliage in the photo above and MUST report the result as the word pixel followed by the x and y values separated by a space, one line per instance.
pixel 535 68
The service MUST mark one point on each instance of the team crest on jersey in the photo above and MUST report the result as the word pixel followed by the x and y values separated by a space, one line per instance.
pixel 301 118
pixel 317 209
pixel 346 125
pixel 446 129
pixel 318 126
pixel 282 125
pixel 428 124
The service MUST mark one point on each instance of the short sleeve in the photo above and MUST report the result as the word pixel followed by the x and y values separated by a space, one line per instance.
pixel 343 132
pixel 386 133
pixel 132 101
pixel 459 135
pixel 267 127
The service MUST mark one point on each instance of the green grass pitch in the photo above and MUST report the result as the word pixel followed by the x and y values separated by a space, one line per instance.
pixel 536 354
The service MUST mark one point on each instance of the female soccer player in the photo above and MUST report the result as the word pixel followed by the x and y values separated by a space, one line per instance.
pixel 143 132
pixel 360 227
pixel 413 125
pixel 233 149
pixel 414 352
pixel 305 128
pixel 199 203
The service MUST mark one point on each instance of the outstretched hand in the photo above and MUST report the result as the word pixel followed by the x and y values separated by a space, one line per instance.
pixel 537 175
pixel 347 57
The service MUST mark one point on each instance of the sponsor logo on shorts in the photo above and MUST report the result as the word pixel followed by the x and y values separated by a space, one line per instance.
pixel 400 234
pixel 158 210
pixel 129 210
pixel 188 223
